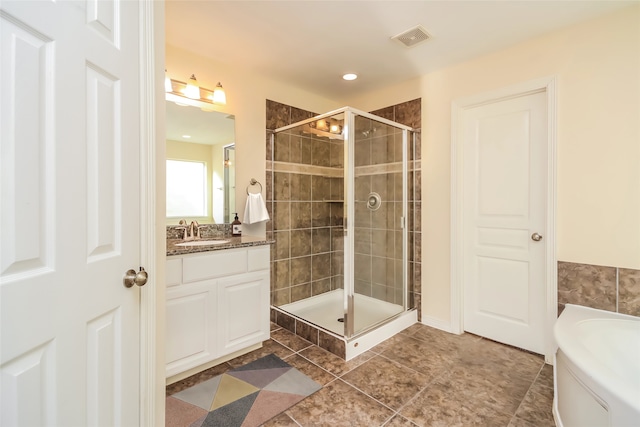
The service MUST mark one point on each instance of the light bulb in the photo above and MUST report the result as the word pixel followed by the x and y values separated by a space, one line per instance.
pixel 219 97
pixel 192 90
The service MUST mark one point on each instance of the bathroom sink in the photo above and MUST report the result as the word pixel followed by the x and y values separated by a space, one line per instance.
pixel 203 243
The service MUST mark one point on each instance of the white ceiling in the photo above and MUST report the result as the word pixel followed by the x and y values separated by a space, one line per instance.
pixel 311 44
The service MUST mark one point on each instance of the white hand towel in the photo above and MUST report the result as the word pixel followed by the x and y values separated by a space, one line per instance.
pixel 255 209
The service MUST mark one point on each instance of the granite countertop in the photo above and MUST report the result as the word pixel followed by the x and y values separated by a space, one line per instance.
pixel 234 242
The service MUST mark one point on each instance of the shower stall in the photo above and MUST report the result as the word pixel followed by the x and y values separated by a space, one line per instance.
pixel 342 188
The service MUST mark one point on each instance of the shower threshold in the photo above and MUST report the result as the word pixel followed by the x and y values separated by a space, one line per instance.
pixel 326 309
pixel 318 319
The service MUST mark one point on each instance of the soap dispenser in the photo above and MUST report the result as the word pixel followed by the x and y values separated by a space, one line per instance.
pixel 236 227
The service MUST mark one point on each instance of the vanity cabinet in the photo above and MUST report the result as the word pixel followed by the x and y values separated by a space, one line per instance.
pixel 217 304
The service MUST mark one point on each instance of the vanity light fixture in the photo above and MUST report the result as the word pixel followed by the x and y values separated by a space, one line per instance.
pixel 323 127
pixel 219 97
pixel 192 90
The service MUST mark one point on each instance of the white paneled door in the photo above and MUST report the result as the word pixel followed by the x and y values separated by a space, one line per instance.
pixel 70 213
pixel 504 198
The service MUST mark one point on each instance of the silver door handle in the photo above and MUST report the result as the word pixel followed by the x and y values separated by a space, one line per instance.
pixel 132 278
pixel 536 237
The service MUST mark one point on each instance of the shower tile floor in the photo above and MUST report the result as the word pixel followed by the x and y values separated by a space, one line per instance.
pixel 420 377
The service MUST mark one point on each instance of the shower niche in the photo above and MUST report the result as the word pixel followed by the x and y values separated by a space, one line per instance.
pixel 342 198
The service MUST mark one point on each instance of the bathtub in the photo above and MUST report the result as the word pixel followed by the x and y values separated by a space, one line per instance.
pixel 597 369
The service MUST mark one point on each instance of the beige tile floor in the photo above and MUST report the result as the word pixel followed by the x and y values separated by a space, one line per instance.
pixel 420 377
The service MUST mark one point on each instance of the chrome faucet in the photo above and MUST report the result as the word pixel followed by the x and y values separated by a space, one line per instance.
pixel 182 225
pixel 194 230
pixel 191 231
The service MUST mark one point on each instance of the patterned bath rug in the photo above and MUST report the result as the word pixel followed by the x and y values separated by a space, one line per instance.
pixel 247 396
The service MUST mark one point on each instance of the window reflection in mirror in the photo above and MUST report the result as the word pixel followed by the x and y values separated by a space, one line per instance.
pixel 186 189
pixel 203 141
pixel 229 182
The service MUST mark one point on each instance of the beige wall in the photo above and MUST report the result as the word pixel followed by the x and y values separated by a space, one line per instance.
pixel 597 65
pixel 246 97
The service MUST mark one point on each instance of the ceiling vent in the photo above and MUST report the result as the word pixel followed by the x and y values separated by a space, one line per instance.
pixel 413 36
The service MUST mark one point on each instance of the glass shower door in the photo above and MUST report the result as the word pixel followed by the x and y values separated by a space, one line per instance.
pixel 376 202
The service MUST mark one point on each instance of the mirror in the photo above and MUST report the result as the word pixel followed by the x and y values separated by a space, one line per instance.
pixel 200 162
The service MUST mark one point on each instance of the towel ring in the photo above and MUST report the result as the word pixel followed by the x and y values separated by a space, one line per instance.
pixel 253 182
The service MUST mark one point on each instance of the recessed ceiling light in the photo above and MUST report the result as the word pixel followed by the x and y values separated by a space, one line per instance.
pixel 186 136
pixel 350 76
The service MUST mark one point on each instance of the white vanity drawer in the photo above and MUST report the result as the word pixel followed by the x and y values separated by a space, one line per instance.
pixel 211 265
pixel 258 258
pixel 173 274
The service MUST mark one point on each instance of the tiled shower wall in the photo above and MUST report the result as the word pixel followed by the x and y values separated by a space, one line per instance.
pixel 606 288
pixel 303 198
pixel 307 217
pixel 409 114
pixel 378 251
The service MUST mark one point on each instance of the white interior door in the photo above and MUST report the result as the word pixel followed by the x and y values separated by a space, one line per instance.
pixel 70 213
pixel 504 198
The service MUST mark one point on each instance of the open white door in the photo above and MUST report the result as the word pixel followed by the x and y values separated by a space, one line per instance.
pixel 70 161
pixel 504 214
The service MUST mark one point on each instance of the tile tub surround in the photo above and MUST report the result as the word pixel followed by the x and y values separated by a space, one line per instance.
pixel 605 288
pixel 420 377
pixel 302 173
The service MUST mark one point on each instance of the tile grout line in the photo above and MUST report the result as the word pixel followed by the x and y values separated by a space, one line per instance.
pixel 339 377
pixel 617 289
pixel 404 366
pixel 414 397
pixel 291 418
pixel 315 364
pixel 394 412
pixel 298 353
pixel 435 378
pixel 525 395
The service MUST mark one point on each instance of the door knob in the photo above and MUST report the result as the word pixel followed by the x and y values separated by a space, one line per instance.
pixel 536 237
pixel 132 278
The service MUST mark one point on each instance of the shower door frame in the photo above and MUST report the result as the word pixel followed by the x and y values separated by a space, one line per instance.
pixel 348 136
pixel 349 222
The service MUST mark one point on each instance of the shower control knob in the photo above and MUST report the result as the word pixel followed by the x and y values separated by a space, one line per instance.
pixel 536 237
pixel 374 201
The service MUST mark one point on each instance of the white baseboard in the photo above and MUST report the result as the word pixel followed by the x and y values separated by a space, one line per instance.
pixel 437 323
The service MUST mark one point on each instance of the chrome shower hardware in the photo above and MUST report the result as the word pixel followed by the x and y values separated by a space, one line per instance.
pixel 374 201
